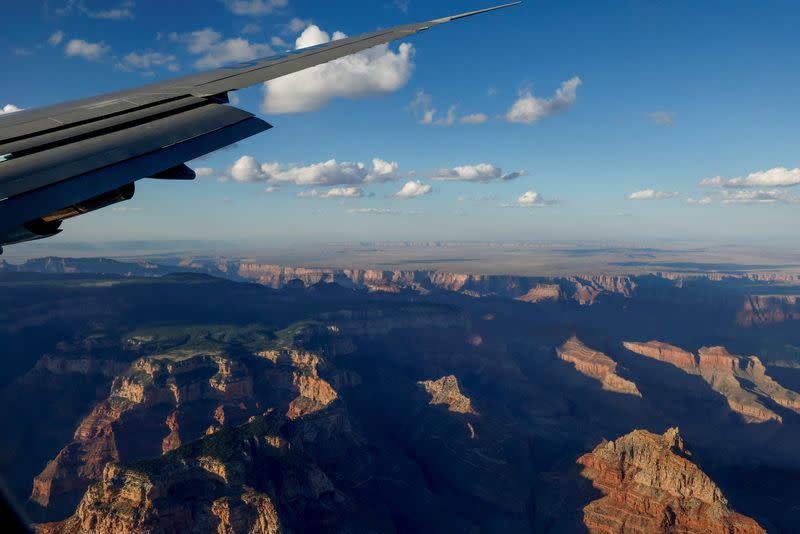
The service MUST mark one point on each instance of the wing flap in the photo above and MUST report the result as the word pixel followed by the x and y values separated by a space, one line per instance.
pixel 38 203
pixel 44 167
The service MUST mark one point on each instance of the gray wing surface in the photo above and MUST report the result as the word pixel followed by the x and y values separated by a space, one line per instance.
pixel 61 161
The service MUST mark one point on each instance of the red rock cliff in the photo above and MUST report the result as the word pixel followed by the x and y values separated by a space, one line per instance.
pixel 650 485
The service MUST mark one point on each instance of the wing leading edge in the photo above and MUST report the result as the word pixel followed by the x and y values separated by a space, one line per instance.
pixel 65 160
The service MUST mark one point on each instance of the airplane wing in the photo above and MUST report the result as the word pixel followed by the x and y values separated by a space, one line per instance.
pixel 62 161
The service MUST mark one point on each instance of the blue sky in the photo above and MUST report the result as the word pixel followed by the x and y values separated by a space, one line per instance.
pixel 656 96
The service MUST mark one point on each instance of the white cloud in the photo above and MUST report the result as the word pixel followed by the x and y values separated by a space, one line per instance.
pixel 662 118
pixel 123 12
pixel 86 50
pixel 373 211
pixel 651 194
pixel 251 28
pixel 296 25
pixel 255 7
pixel 204 171
pixel 758 197
pixel 413 189
pixel 334 192
pixel 475 118
pixel 383 171
pixel 704 201
pixel 717 181
pixel 427 116
pixel 426 113
pixel 776 177
pixel 402 5
pixel 331 172
pixel 9 108
pixel 449 119
pixel 215 51
pixel 279 42
pixel 372 72
pixel 147 59
pixel 482 172
pixel 56 38
pixel 529 109
pixel 531 199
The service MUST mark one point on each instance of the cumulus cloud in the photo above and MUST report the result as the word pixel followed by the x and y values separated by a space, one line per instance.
pixel 214 51
pixel 482 172
pixel 776 177
pixel 203 171
pixel 331 172
pixel 334 192
pixel 427 114
pixel 531 199
pixel 651 194
pixel 279 42
pixel 254 7
pixel 56 38
pixel 529 109
pixel 475 118
pixel 296 25
pixel 747 196
pixel 147 59
pixel 662 118
pixel 372 72
pixel 9 108
pixel 383 171
pixel 704 201
pixel 86 50
pixel 413 189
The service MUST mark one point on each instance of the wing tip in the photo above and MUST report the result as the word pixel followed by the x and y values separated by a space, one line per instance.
pixel 472 13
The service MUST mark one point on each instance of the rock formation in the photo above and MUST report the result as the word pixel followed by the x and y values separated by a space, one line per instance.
pixel 446 391
pixel 726 374
pixel 597 365
pixel 649 484
pixel 190 389
pixel 145 497
pixel 766 309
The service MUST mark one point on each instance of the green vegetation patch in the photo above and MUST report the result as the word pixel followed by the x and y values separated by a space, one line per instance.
pixel 225 445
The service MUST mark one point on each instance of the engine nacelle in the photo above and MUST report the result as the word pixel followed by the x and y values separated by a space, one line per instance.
pixel 50 224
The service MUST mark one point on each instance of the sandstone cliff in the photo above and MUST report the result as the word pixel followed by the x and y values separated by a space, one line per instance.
pixel 128 424
pixel 741 380
pixel 145 497
pixel 766 309
pixel 650 485
pixel 314 393
pixel 597 365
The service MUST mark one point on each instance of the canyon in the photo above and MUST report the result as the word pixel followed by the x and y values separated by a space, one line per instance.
pixel 201 403
pixel 752 309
